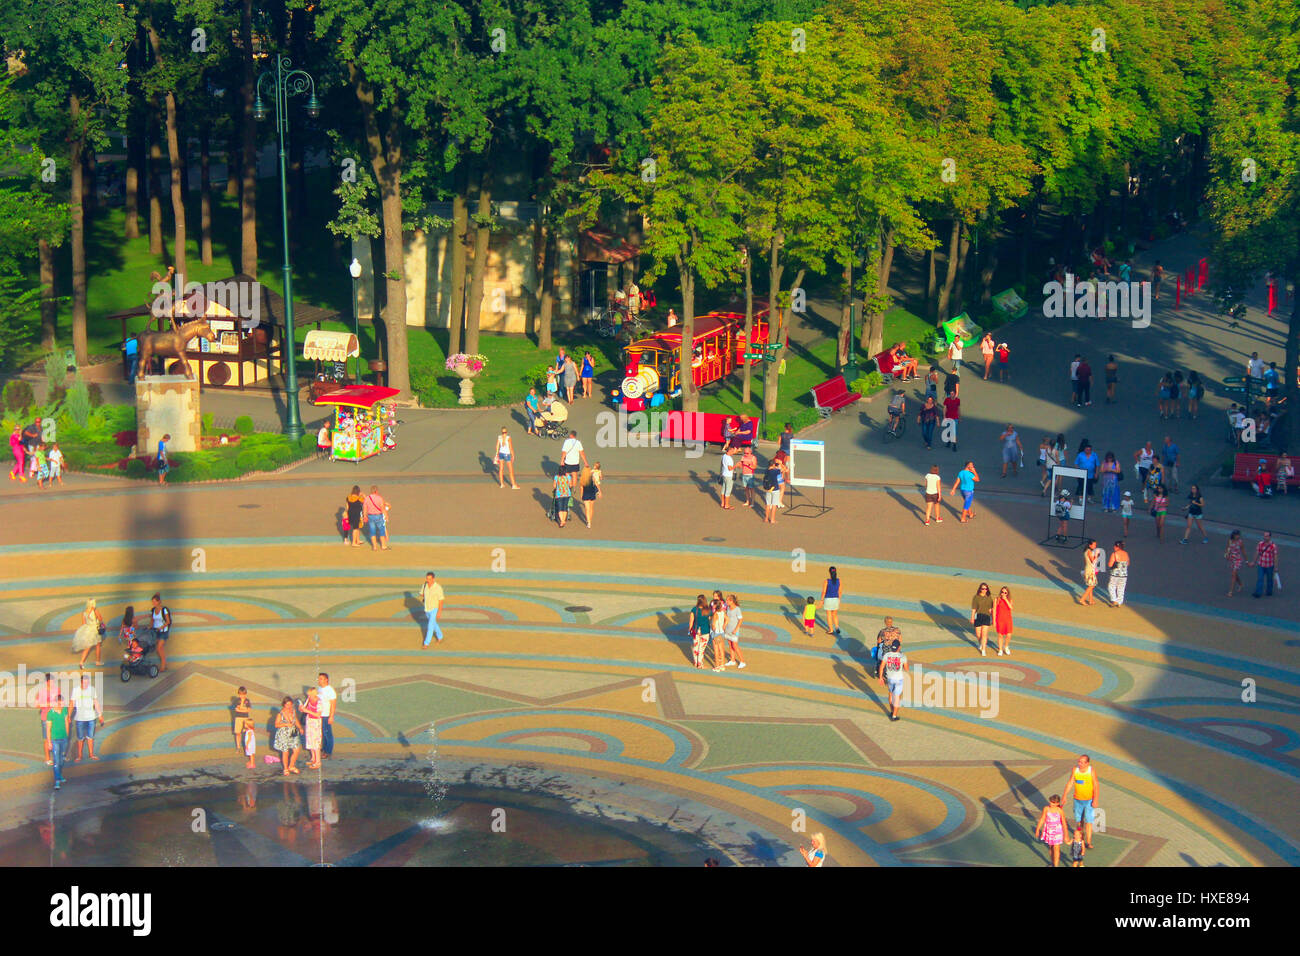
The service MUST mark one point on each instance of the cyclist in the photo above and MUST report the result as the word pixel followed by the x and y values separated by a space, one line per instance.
pixel 897 407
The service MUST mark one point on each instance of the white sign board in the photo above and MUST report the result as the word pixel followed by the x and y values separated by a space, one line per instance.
pixel 1059 475
pixel 808 463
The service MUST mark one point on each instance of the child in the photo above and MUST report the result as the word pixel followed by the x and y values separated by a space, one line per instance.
pixel 134 650
pixel 1004 360
pixel 810 615
pixel 1076 848
pixel 250 743
pixel 1063 515
pixel 1126 510
pixel 40 466
pixel 56 465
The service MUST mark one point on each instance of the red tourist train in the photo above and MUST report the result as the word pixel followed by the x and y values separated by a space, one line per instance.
pixel 652 366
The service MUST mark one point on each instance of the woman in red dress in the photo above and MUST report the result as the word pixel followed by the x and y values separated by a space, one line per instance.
pixel 1002 622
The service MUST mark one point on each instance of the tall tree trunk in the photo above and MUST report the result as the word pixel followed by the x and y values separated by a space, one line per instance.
pixel 80 344
pixel 205 197
pixel 478 271
pixel 91 164
pixel 873 325
pixel 155 197
pixel 232 155
pixel 747 381
pixel 950 271
pixel 963 261
pixel 386 158
pixel 931 289
pixel 248 153
pixel 846 318
pixel 49 304
pixel 137 125
pixel 177 161
pixel 459 239
pixel 690 396
pixel 550 269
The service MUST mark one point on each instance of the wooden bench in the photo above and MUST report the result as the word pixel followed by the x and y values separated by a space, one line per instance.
pixel 833 395
pixel 1245 465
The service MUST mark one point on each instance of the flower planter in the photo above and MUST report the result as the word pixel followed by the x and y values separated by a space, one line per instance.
pixel 466 376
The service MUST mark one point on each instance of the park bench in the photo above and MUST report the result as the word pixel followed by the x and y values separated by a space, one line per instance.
pixel 833 395
pixel 695 426
pixel 886 366
pixel 1246 464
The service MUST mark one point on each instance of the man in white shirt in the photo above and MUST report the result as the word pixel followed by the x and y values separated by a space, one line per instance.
pixel 572 456
pixel 1255 367
pixel 728 478
pixel 1074 378
pixel 893 668
pixel 86 713
pixel 328 698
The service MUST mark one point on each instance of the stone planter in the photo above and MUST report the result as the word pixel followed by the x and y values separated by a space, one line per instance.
pixel 466 376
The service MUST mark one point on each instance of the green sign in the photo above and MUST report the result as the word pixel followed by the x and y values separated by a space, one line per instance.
pixel 1235 380
pixel 1236 388
pixel 749 356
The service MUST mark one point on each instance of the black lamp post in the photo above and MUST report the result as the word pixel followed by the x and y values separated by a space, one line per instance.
pixel 281 84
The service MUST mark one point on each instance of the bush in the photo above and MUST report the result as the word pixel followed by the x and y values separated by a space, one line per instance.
pixel 205 424
pixel 78 402
pixel 56 371
pixel 866 384
pixel 307 444
pixel 192 466
pixel 18 396
pixel 252 460
pixel 96 394
pixel 800 420
pixel 58 395
pixel 244 425
pixel 137 468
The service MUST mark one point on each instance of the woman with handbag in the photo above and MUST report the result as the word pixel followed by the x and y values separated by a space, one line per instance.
pixel 90 634
pixel 352 521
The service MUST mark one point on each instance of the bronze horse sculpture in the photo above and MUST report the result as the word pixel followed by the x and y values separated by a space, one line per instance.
pixel 171 344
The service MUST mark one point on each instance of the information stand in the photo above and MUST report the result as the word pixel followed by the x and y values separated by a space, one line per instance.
pixel 807 470
pixel 1078 507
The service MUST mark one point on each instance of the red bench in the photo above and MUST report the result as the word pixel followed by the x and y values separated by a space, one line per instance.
pixel 886 365
pixel 1245 465
pixel 833 395
pixel 695 426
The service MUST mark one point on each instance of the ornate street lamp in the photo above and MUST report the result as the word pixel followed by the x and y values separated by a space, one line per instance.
pixel 280 84
pixel 354 269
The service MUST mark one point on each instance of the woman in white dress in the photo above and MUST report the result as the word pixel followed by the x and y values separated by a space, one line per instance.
pixel 89 635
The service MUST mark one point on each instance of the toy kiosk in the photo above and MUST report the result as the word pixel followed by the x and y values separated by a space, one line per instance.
pixel 360 421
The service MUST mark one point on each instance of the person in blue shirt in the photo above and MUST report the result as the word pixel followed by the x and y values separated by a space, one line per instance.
pixel 966 479
pixel 163 465
pixel 131 354
pixel 532 410
pixel 1088 461
pixel 1169 458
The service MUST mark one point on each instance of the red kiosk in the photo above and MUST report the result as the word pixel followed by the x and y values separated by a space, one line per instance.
pixel 360 421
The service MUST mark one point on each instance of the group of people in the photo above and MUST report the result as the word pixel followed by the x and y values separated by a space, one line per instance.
pixel 739 460
pixel 60 717
pixel 299 724
pixel 33 458
pixel 90 634
pixel 370 511
pixel 715 625
pixel 575 479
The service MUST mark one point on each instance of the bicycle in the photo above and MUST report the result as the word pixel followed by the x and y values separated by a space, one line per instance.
pixel 896 426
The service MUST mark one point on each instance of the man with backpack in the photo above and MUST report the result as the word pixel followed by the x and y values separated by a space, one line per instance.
pixel 161 623
pixel 771 490
pixel 893 666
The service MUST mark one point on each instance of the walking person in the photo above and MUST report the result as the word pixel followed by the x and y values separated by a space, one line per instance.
pixel 563 491
pixel 1195 392
pixel 1235 556
pixel 951 419
pixel 288 735
pixel 932 383
pixel 569 374
pixel 55 461
pixel 1143 458
pixel 1091 556
pixel 1195 511
pixel 1052 458
pixel 1074 379
pixel 966 479
pixel 160 621
pixel 1118 580
pixel 1003 621
pixel 1157 276
pixel 19 451
pixel 933 495
pixel 748 464
pixel 727 479
pixel 771 491
pixel 732 633
pixel 1084 376
pixel 1284 472
pixel 58 723
pixel 954 352
pixel 981 615
pixel 1165 393
pixel 1086 460
pixel 1051 829
pixel 505 459
pixel 588 374
pixel 1160 510
pixel 1012 451
pixel 89 635
pixel 432 598
pixel 573 457
pixel 86 714
pixel 884 638
pixel 1169 453
pixel 893 670
pixel 1004 362
pixel 1126 509
pixel 1087 790
pixel 355 503
pixel 1111 370
pixel 1266 565
pixel 162 463
pixel 831 602
pixel 376 509
pixel 328 709
pixel 987 348
pixel 532 411
pixel 1111 475
pixel 590 483
pixel 927 418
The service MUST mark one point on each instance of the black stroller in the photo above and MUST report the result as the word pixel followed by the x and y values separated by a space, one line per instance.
pixel 137 661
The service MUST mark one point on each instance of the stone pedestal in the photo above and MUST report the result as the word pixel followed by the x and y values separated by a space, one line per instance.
pixel 167 404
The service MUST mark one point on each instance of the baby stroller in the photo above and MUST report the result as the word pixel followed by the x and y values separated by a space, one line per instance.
pixel 135 657
pixel 554 419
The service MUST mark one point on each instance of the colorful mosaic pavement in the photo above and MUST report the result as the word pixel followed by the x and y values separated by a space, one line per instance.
pixel 574 662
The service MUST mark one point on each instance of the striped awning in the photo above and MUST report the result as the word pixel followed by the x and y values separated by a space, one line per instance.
pixel 330 346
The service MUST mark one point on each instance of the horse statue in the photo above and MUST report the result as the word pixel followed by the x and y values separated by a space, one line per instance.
pixel 171 344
